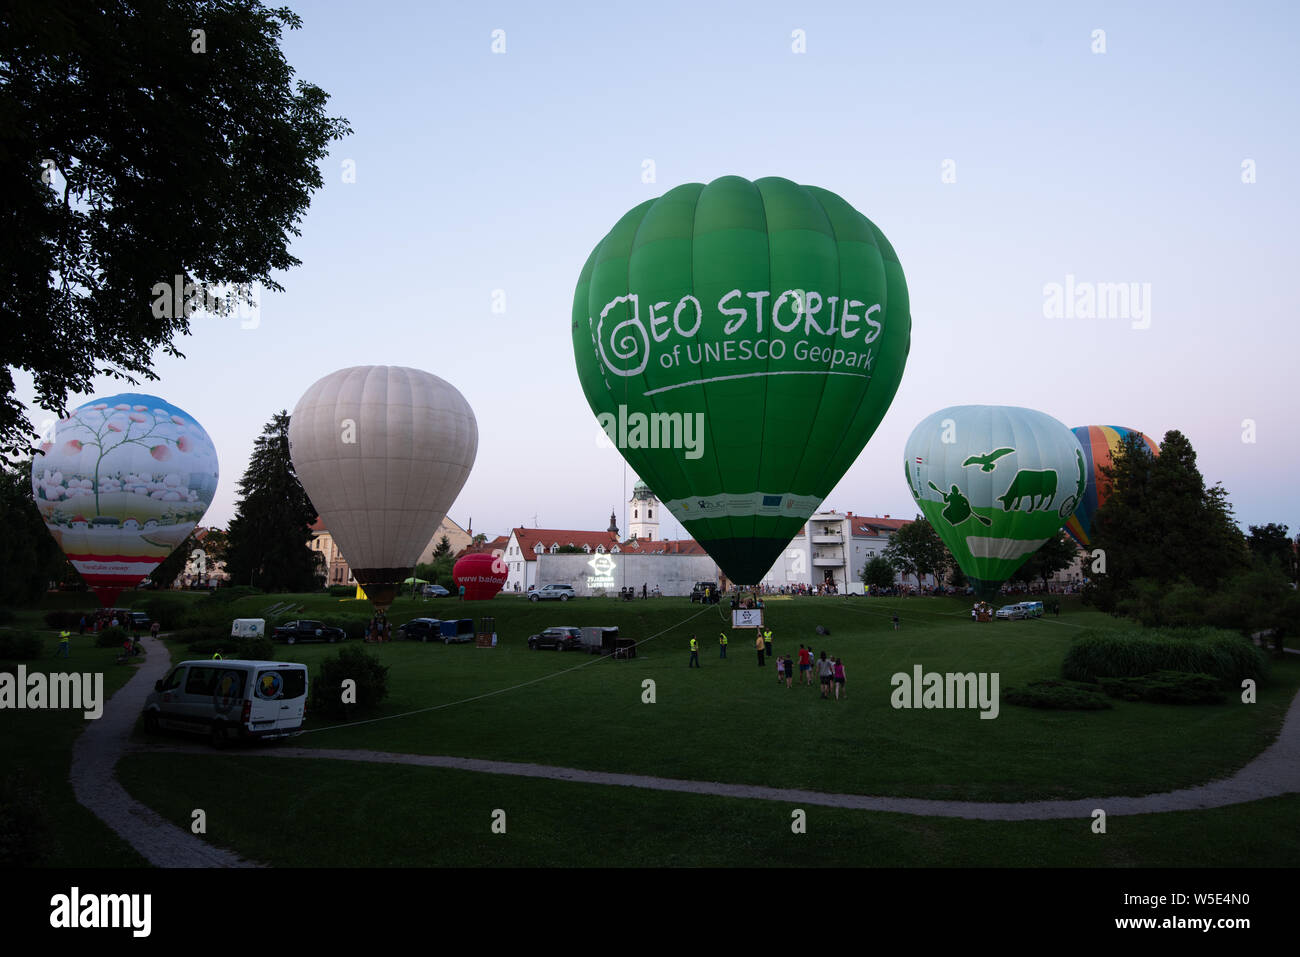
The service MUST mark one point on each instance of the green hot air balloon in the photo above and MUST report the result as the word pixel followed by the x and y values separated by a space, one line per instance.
pixel 996 482
pixel 739 343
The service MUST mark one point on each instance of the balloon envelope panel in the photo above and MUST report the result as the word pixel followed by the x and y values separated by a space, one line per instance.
pixel 996 482
pixel 382 452
pixel 1099 443
pixel 482 574
pixel 122 483
pixel 740 342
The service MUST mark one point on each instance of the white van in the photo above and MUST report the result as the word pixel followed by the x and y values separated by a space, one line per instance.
pixel 230 698
pixel 248 628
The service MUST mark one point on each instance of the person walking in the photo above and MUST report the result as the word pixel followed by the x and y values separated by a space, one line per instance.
pixel 65 642
pixel 695 654
pixel 895 623
pixel 838 675
pixel 722 644
pixel 780 670
pixel 153 630
pixel 825 671
pixel 767 641
pixel 805 665
pixel 82 625
pixel 758 644
pixel 789 672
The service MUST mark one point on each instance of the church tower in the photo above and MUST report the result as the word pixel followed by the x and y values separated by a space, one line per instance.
pixel 643 514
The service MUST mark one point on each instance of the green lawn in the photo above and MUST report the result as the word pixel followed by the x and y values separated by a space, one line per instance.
pixel 38 745
pixel 728 721
pixel 342 814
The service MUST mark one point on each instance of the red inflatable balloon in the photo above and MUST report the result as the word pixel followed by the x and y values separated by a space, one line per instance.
pixel 482 574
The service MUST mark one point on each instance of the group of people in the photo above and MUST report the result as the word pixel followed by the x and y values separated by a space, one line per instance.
pixel 830 671
pixel 379 629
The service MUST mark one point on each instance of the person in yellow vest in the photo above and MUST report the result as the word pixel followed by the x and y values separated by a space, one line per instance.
pixel 695 654
pixel 759 646
pixel 767 641
pixel 216 656
pixel 722 645
pixel 65 644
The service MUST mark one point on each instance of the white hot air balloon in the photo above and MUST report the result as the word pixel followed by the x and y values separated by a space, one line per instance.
pixel 382 452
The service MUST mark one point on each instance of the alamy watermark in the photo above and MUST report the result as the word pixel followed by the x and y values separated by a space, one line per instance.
pixel 654 430
pixel 930 689
pixel 40 691
pixel 1098 300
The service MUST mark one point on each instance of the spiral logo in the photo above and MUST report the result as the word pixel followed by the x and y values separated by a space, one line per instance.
pixel 628 341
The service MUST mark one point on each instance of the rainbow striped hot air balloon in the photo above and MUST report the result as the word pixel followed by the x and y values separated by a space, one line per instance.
pixel 1099 442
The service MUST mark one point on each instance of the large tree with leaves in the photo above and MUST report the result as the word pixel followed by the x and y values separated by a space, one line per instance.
pixel 1161 524
pixel 140 142
pixel 268 539
pixel 916 549
pixel 1056 554
pixel 30 559
pixel 1272 543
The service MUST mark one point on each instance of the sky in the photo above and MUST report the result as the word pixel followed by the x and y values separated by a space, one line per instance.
pixel 998 148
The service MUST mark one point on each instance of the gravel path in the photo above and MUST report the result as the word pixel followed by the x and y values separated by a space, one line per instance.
pixel 94 756
pixel 1274 772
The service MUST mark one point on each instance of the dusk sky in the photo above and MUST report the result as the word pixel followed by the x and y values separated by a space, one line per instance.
pixel 1167 161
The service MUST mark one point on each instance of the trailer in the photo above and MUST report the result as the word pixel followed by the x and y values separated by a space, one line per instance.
pixel 248 628
pixel 457 629
pixel 600 639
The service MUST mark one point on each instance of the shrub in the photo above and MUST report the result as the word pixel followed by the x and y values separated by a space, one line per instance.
pixel 255 649
pixel 171 612
pixel 1135 652
pixel 204 648
pixel 20 646
pixel 1057 695
pixel 225 596
pixel 1167 687
pixel 111 638
pixel 342 591
pixel 58 620
pixel 370 676
pixel 202 633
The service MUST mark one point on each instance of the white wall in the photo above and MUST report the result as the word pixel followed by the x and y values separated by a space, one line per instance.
pixel 674 574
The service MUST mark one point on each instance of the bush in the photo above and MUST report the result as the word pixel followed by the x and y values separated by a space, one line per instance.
pixel 1133 653
pixel 20 646
pixel 255 649
pixel 225 596
pixel 1057 695
pixel 171 612
pixel 25 827
pixel 1167 687
pixel 59 620
pixel 370 676
pixel 111 638
pixel 342 591
pixel 202 633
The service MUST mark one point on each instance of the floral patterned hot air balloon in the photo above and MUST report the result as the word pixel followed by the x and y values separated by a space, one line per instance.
pixel 1099 444
pixel 121 485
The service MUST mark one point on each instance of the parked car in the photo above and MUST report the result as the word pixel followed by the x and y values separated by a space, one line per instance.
pixel 230 698
pixel 421 629
pixel 140 619
pixel 1013 611
pixel 563 638
pixel 436 591
pixel 550 592
pixel 293 632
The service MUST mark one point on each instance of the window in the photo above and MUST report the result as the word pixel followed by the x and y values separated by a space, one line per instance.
pixel 555 549
pixel 600 549
pixel 586 549
pixel 634 513
pixel 649 513
pixel 201 681
pixel 174 680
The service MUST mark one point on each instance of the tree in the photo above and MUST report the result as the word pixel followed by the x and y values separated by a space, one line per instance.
pixel 214 545
pixel 443 547
pixel 878 572
pixel 1161 523
pixel 268 539
pixel 1272 543
pixel 30 559
pixel 171 567
pixel 1056 554
pixel 479 539
pixel 154 150
pixel 915 549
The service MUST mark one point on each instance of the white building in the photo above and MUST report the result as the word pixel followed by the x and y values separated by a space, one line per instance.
pixel 833 548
